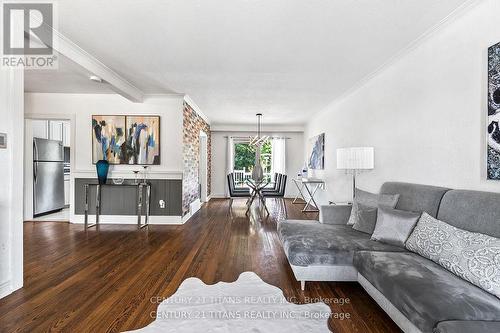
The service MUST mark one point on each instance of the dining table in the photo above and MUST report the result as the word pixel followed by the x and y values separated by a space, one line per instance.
pixel 256 192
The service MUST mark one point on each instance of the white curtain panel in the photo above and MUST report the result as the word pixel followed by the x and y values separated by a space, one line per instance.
pixel 278 155
pixel 229 161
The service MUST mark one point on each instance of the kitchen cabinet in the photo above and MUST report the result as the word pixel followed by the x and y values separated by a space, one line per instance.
pixel 60 131
pixel 40 128
pixel 56 130
pixel 52 129
pixel 66 133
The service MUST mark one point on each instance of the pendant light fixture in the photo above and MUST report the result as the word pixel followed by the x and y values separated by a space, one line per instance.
pixel 257 141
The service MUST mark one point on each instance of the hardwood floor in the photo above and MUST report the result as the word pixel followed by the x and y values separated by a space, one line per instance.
pixel 103 280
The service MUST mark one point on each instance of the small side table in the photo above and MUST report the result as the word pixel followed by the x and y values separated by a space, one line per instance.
pixel 305 184
pixel 139 186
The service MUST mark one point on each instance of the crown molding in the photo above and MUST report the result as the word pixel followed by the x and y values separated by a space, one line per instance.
pixel 196 108
pixel 453 16
pixel 252 128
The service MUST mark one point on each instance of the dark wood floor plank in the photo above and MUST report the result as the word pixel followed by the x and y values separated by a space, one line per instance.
pixel 103 280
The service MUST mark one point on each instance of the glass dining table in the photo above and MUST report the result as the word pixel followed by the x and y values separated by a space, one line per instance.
pixel 256 192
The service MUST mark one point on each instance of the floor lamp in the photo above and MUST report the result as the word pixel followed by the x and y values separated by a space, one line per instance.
pixel 355 159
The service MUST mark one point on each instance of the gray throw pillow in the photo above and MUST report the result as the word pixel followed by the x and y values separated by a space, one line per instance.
pixel 366 218
pixel 472 256
pixel 371 200
pixel 394 226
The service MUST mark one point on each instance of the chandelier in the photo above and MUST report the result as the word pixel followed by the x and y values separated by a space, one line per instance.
pixel 258 140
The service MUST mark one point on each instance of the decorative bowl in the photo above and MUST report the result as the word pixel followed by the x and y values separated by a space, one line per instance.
pixel 118 181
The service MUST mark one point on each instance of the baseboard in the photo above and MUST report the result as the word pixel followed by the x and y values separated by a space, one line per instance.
pixel 218 196
pixel 128 219
pixel 6 289
pixel 194 206
pixel 396 315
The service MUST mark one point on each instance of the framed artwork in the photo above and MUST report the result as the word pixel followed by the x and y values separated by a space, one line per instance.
pixel 493 130
pixel 143 140
pixel 126 139
pixel 108 138
pixel 317 152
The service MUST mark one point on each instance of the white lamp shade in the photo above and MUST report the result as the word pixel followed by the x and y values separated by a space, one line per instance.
pixel 356 158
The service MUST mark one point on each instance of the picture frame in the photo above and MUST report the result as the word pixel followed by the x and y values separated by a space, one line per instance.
pixel 126 139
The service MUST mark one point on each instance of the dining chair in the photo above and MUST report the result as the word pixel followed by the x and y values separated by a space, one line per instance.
pixel 234 192
pixel 279 193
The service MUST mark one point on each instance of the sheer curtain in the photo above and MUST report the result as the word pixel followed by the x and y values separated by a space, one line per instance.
pixel 278 155
pixel 229 161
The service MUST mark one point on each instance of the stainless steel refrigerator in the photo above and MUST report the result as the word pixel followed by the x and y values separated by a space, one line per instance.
pixel 48 176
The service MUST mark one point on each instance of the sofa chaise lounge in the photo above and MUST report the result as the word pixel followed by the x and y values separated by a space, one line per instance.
pixel 418 294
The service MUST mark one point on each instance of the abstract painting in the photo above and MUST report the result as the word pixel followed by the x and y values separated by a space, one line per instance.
pixel 108 138
pixel 317 155
pixel 143 140
pixel 493 153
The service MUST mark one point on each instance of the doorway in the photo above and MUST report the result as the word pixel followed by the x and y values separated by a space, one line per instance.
pixel 47 168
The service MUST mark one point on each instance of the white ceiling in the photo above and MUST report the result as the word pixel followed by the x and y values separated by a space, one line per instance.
pixel 68 78
pixel 234 58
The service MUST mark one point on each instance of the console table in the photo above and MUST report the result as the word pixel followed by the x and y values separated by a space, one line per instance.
pixel 139 203
pixel 305 183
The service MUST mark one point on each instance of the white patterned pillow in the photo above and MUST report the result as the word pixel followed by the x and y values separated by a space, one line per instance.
pixel 472 256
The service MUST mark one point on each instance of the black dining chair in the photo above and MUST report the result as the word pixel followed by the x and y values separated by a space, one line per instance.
pixel 235 192
pixel 279 191
pixel 276 184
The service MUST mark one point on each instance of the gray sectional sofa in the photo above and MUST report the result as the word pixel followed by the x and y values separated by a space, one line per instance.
pixel 418 294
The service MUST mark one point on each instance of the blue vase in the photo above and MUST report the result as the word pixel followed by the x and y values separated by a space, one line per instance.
pixel 102 167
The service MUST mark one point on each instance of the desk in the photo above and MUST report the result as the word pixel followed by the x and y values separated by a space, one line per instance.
pixel 139 186
pixel 305 184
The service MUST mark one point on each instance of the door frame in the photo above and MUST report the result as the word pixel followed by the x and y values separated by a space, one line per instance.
pixel 28 158
pixel 203 167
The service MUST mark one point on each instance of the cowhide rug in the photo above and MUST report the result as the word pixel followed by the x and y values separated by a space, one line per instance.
pixel 246 305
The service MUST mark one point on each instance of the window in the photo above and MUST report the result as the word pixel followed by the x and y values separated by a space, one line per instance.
pixel 244 159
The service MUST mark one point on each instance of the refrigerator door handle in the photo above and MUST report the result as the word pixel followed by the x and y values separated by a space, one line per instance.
pixel 35 165
pixel 35 150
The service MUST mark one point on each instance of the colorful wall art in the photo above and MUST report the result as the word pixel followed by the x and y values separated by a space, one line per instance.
pixel 317 152
pixel 108 138
pixel 143 140
pixel 493 153
pixel 126 139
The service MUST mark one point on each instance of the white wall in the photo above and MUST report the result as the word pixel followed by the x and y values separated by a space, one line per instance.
pixel 294 158
pixel 83 106
pixel 425 114
pixel 80 107
pixel 11 181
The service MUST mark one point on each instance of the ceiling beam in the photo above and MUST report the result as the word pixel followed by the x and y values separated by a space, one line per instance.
pixel 67 48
